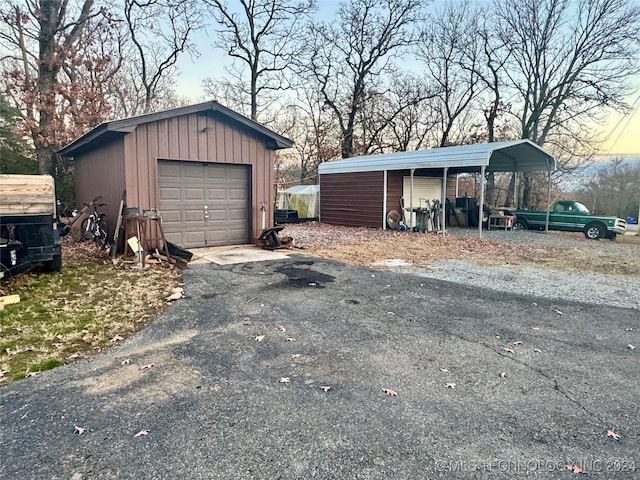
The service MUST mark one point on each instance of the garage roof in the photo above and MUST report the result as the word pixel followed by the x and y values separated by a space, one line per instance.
pixel 115 128
pixel 516 155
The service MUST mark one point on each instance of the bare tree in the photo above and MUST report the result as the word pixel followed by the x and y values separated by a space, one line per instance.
pixel 349 57
pixel 158 32
pixel 265 38
pixel 569 63
pixel 449 49
pixel 58 57
pixel 612 188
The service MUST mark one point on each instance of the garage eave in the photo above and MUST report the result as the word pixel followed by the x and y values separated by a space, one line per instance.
pixel 272 140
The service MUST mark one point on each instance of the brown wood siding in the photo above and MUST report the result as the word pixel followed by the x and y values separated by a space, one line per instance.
pixel 352 199
pixel 184 138
pixel 102 172
pixel 394 189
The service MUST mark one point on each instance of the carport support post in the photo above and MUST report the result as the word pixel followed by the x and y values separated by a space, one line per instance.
pixel 481 214
pixel 443 200
pixel 413 170
pixel 384 201
pixel 546 224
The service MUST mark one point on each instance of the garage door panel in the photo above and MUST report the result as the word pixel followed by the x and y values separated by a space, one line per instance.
pixel 171 216
pixel 194 193
pixel 196 238
pixel 192 171
pixel 236 173
pixel 170 193
pixel 216 193
pixel 169 170
pixel 186 187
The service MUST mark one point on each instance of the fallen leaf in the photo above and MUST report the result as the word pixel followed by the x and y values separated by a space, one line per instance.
pixel 575 469
pixel 291 339
pixel 612 434
pixel 390 313
pixel 259 338
pixel 295 355
pixel 284 380
pixel 503 374
pixel 631 347
pixel 507 349
pixel 517 343
pixel 141 433
pixel 73 356
pixel 281 328
pixel 126 362
pixel 535 328
pixel 391 393
pixel 451 385
pixel 148 365
pixel 558 311
pixel 444 370
pixel 174 296
pixel 32 374
pixel 372 275
pixel 325 388
pixel 117 338
pixel 537 350
pixel 79 430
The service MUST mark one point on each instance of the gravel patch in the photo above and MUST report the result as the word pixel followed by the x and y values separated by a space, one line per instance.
pixel 613 290
pixel 516 277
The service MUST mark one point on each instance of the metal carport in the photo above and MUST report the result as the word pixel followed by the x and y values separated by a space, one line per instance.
pixel 509 156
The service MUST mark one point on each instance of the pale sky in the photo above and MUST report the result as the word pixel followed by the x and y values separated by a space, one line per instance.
pixel 621 134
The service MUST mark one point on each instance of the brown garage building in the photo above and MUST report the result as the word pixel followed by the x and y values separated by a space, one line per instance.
pixel 206 168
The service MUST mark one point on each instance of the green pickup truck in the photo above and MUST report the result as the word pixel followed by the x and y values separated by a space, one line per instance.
pixel 570 216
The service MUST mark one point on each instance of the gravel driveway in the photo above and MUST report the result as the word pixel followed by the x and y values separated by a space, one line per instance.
pixel 309 368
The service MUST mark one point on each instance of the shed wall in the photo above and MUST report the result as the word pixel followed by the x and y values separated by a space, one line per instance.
pixel 352 199
pixel 101 172
pixel 196 137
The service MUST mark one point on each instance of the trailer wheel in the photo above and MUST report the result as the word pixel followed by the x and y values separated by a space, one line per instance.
pixel 595 231
pixel 55 264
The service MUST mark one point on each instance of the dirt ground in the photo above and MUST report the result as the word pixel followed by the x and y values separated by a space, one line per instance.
pixel 557 250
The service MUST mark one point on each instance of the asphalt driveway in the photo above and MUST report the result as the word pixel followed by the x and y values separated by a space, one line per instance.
pixel 228 384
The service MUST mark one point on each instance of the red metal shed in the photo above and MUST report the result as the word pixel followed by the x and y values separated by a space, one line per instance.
pixel 206 168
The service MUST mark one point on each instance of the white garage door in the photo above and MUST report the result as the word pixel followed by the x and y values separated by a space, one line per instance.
pixel 429 188
pixel 204 204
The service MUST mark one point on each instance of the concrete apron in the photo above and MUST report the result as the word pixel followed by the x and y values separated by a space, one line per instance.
pixel 233 254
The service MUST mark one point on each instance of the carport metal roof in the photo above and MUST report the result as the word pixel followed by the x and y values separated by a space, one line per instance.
pixel 511 156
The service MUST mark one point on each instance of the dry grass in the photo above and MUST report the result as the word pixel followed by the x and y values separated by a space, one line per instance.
pixel 365 246
pixel 79 311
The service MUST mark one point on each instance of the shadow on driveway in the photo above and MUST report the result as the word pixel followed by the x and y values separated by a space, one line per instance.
pixel 232 382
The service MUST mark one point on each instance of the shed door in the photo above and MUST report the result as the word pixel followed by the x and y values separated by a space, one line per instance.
pixel 204 204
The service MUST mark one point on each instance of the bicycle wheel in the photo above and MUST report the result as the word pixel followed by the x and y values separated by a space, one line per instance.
pixel 86 230
pixel 101 233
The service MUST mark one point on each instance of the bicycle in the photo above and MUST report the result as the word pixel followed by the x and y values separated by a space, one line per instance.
pixel 94 228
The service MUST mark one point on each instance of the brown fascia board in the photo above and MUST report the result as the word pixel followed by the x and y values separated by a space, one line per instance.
pixel 128 125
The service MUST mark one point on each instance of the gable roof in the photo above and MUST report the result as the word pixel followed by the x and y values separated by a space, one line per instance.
pixel 510 156
pixel 116 128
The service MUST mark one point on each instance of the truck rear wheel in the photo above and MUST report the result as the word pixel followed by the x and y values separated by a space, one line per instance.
pixel 55 264
pixel 520 224
pixel 595 231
